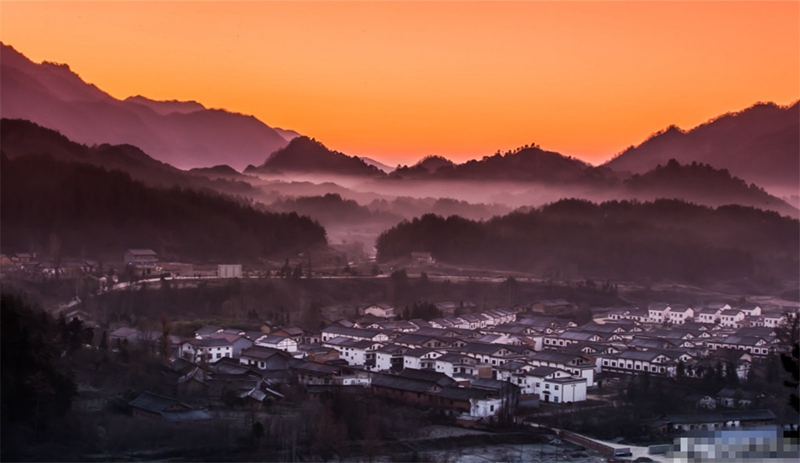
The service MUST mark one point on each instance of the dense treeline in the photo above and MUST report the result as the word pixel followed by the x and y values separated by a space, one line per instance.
pixel 86 210
pixel 703 183
pixel 664 239
pixel 37 385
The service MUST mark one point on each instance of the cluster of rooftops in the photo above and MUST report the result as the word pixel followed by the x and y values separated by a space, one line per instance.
pixel 539 356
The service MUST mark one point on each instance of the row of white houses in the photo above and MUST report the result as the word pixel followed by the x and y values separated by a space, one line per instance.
pixel 749 314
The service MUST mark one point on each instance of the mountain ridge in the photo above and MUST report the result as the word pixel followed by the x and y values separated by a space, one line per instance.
pixel 183 134
pixel 307 155
pixel 759 144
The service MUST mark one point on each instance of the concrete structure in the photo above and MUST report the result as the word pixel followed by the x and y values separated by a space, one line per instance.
pixel 229 271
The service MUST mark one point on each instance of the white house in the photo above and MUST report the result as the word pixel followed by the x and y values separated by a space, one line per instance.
pixel 654 361
pixel 731 318
pixel 552 385
pixel 361 352
pixel 485 407
pixel 277 342
pixel 658 312
pixel 453 363
pixel 755 345
pixel 335 331
pixel 380 310
pixel 389 357
pixel 206 350
pixel 750 308
pixel 420 359
pixel 708 315
pixel 774 319
pixel 140 257
pixel 679 313
pixel 577 364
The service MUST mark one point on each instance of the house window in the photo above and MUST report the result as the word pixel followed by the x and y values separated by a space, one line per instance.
pixel 547 386
pixel 491 408
pixel 556 387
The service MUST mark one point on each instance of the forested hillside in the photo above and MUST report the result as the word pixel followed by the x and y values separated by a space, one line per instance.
pixel 86 210
pixel 665 239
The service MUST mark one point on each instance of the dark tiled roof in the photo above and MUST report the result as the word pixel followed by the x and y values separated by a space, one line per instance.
pixel 462 393
pixel 155 403
pixel 400 383
pixel 426 375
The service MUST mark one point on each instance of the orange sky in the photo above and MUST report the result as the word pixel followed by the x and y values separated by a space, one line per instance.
pixel 397 81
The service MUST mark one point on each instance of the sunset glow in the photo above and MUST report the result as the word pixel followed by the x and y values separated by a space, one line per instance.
pixel 398 81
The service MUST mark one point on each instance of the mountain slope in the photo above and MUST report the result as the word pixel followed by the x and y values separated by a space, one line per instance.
pixel 19 138
pixel 372 162
pixel 306 155
pixel 184 134
pixel 99 213
pixel 759 144
pixel 702 184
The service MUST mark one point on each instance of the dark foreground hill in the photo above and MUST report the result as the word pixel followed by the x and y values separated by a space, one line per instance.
pixel 664 239
pixel 80 209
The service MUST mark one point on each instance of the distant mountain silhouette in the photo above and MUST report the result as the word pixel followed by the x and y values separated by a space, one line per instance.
pixel 759 144
pixel 20 138
pixel 287 135
pixel 307 155
pixel 167 107
pixel 184 134
pixel 702 184
pixel 524 164
pixel 377 164
pixel 426 166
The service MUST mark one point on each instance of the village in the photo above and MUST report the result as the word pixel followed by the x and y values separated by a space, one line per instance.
pixel 478 366
pixel 471 366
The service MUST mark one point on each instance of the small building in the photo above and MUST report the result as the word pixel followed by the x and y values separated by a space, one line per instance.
pixel 149 405
pixel 553 307
pixel 206 349
pixel 140 257
pixel 274 341
pixel 229 271
pixel 379 310
pixel 421 257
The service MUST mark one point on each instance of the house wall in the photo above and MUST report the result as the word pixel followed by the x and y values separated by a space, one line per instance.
pixel 484 408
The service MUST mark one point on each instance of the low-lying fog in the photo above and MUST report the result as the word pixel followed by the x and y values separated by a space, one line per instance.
pixel 358 209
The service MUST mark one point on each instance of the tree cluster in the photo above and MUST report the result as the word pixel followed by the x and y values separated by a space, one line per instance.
pixel 101 213
pixel 36 387
pixel 664 239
